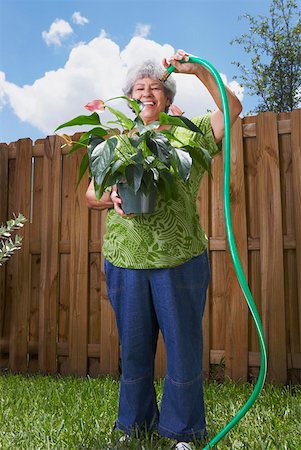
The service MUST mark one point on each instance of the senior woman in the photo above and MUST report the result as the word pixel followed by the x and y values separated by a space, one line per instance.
pixel 157 273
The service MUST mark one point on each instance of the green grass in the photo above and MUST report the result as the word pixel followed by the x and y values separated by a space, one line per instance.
pixel 39 412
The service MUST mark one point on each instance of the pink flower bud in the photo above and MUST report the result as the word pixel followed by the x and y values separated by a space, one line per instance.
pixel 175 110
pixel 95 105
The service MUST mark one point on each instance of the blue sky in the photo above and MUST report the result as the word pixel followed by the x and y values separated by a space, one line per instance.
pixel 55 56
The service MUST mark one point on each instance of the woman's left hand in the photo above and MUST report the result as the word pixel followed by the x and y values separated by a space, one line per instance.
pixel 174 60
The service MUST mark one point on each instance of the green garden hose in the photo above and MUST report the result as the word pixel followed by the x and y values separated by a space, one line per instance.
pixel 233 251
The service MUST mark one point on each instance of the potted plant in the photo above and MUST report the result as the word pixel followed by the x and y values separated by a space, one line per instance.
pixel 140 159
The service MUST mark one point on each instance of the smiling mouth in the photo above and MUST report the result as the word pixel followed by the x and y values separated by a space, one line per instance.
pixel 148 103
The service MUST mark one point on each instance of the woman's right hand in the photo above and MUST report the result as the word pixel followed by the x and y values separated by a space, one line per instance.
pixel 116 201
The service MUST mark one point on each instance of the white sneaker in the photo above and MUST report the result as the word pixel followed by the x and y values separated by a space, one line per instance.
pixel 124 438
pixel 183 446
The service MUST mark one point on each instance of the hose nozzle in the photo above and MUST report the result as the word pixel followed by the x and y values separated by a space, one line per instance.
pixel 164 77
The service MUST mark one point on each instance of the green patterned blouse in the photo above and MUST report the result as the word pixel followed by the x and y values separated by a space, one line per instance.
pixel 172 234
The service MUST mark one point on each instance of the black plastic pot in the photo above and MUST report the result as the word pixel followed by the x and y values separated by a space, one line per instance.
pixel 136 203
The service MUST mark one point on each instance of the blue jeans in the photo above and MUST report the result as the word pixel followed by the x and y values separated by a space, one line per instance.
pixel 172 300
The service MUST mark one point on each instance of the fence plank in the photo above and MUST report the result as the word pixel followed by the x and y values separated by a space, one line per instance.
pixel 271 246
pixel 252 212
pixel 109 360
pixel 94 309
pixel 78 337
pixel 218 280
pixel 8 298
pixel 21 262
pixel 296 162
pixel 236 359
pixel 95 288
pixel 64 313
pixel 48 302
pixel 3 182
pixel 67 190
pixel 3 219
pixel 203 207
pixel 35 250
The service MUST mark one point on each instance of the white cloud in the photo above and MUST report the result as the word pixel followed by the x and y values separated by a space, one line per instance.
pixel 96 70
pixel 142 30
pixel 79 19
pixel 59 29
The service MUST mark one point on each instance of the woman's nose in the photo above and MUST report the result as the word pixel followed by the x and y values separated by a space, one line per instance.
pixel 147 90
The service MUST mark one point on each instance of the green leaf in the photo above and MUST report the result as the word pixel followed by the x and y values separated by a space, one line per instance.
pixel 161 147
pixel 85 137
pixel 93 119
pixel 123 119
pixel 101 157
pixel 144 128
pixel 147 182
pixel 117 164
pixel 170 136
pixel 134 104
pixel 112 179
pixel 202 156
pixel 84 165
pixel 93 142
pixel 183 162
pixel 133 174
pixel 138 157
pixel 136 141
pixel 179 121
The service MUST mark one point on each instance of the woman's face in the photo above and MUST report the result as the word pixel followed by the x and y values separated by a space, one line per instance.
pixel 151 93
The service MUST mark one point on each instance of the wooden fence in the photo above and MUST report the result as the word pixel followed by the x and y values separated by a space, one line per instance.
pixel 55 316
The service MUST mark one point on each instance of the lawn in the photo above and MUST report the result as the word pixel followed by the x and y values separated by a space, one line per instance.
pixel 41 413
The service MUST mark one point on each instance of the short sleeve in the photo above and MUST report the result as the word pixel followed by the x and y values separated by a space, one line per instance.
pixel 205 140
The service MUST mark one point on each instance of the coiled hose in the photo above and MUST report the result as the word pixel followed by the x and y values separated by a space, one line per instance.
pixel 233 251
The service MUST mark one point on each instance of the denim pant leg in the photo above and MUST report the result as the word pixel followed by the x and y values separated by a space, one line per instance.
pixel 179 296
pixel 129 294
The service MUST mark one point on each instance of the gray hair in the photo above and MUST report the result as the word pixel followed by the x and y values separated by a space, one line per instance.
pixel 149 69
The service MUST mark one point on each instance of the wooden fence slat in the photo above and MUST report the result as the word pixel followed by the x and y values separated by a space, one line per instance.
pixel 78 337
pixel 8 294
pixel 236 356
pixel 3 219
pixel 67 190
pixel 271 246
pixel 95 288
pixel 109 360
pixel 3 182
pixel 94 310
pixel 218 276
pixel 203 206
pixel 296 162
pixel 35 241
pixel 48 302
pixel 21 262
